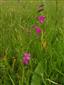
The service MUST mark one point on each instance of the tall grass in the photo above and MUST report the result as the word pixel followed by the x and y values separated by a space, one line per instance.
pixel 17 36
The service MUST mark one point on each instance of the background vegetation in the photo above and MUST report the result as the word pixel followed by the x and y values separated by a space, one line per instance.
pixel 46 66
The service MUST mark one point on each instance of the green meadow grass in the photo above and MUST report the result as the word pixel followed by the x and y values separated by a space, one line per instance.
pixel 17 36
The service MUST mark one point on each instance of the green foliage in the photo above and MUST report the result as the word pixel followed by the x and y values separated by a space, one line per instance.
pixel 17 36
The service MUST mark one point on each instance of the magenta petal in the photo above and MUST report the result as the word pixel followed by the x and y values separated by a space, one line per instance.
pixel 26 54
pixel 25 62
pixel 26 58
pixel 41 19
pixel 38 30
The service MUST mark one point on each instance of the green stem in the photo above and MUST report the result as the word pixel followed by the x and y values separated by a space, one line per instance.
pixel 23 76
pixel 11 79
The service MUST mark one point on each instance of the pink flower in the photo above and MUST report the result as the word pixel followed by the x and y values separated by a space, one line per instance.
pixel 26 58
pixel 41 19
pixel 38 30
